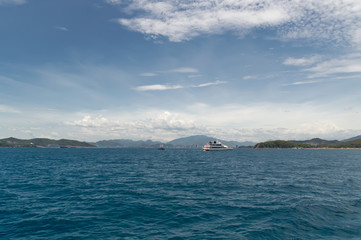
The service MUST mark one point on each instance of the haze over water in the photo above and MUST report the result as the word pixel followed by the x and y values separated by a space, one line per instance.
pixel 180 194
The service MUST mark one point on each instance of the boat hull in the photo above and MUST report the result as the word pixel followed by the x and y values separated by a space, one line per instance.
pixel 216 149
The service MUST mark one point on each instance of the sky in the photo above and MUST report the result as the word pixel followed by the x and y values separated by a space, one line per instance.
pixel 134 69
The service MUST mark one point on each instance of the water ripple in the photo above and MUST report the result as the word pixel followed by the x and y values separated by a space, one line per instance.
pixel 179 194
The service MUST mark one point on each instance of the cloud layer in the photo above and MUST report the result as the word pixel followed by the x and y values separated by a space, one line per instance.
pixel 337 20
pixel 155 125
pixel 166 125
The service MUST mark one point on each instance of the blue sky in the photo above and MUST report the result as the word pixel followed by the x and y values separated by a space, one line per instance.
pixel 237 70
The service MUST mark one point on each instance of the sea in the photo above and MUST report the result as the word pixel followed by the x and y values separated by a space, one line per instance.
pixel 180 194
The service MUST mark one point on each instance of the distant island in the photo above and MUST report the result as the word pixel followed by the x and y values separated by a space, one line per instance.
pixel 313 143
pixel 43 143
pixel 196 141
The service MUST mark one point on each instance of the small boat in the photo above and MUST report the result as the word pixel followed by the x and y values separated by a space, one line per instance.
pixel 215 146
pixel 161 147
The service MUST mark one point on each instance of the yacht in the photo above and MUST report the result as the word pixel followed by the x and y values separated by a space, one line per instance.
pixel 215 146
pixel 161 147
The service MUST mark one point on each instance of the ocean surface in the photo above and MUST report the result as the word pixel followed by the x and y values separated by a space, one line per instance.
pixel 180 194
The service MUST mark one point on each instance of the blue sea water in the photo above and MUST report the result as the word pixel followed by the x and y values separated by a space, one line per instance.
pixel 180 194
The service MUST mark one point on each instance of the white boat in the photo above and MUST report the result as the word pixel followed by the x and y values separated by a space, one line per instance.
pixel 215 146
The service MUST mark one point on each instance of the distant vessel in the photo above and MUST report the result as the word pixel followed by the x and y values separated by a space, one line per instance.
pixel 161 147
pixel 215 146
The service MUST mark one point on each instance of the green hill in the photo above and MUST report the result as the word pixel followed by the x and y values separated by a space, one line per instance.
pixel 313 143
pixel 42 142
pixel 317 142
pixel 351 144
pixel 352 139
pixel 282 144
pixel 127 143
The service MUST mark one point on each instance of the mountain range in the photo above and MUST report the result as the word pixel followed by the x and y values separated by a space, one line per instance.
pixel 196 141
pixel 186 142
pixel 127 143
pixel 352 139
pixel 42 142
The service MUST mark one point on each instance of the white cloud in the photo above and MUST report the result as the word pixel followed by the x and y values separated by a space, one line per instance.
pixel 340 67
pixel 61 28
pixel 357 38
pixel 182 20
pixel 232 122
pixel 160 87
pixel 171 121
pixel 302 61
pixel 319 127
pixel 88 121
pixel 303 82
pixel 349 64
pixel 157 87
pixel 210 84
pixel 156 125
pixel 16 2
